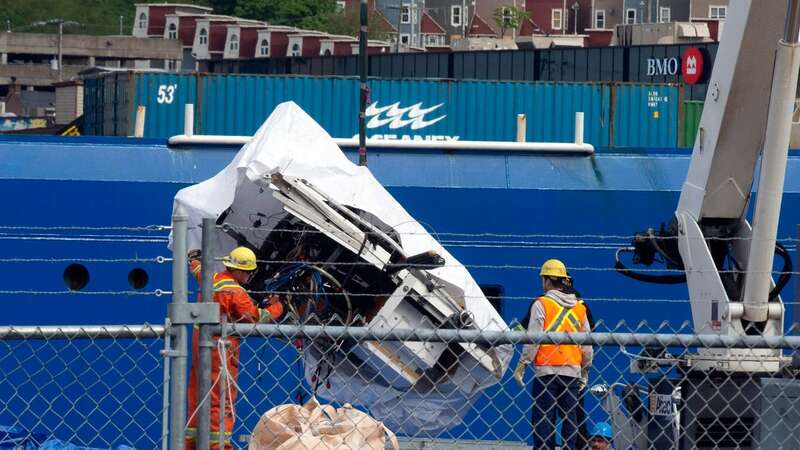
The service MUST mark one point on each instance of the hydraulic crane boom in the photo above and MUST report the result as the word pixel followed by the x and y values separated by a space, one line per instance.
pixel 746 120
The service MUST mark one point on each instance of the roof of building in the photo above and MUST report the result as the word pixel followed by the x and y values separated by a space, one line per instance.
pixel 430 26
pixel 479 27
pixel 385 21
pixel 180 5
pixel 338 38
pixel 528 28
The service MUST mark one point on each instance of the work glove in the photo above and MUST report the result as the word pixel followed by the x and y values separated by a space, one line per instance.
pixel 584 379
pixel 195 254
pixel 519 373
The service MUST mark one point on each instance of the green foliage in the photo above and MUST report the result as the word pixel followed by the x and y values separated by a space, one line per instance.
pixel 95 16
pixel 102 16
pixel 309 14
pixel 509 17
pixel 347 23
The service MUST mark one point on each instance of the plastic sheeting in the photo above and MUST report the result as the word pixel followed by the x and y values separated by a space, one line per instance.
pixel 290 143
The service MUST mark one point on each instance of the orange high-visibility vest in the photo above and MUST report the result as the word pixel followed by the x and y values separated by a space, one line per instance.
pixel 561 320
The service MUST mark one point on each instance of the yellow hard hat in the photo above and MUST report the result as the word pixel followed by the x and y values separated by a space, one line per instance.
pixel 553 268
pixel 241 258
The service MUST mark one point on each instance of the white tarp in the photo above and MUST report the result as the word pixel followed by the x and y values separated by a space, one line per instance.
pixel 291 143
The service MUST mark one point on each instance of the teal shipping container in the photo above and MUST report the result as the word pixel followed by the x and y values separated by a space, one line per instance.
pixel 645 115
pixel 411 109
pixel 615 115
pixel 111 101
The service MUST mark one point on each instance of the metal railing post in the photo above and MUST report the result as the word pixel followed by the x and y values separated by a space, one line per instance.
pixel 223 386
pixel 177 383
pixel 205 341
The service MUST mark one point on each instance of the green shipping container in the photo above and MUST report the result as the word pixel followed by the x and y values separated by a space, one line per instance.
pixel 692 111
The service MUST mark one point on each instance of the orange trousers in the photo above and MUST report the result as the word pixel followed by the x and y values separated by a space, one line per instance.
pixel 232 363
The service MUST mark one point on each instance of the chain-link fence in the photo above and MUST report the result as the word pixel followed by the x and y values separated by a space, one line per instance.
pixel 437 381
pixel 87 387
pixel 655 390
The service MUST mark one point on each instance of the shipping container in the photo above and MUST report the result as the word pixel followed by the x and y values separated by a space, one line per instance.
pixel 615 114
pixel 111 101
pixel 411 109
pixel 692 111
pixel 645 115
pixel 640 64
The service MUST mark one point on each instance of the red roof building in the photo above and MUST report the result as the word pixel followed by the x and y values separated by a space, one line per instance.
pixel 434 36
pixel 150 19
pixel 480 28
pixel 273 41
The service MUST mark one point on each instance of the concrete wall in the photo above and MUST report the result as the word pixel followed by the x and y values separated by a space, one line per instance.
pixel 98 46
pixel 35 74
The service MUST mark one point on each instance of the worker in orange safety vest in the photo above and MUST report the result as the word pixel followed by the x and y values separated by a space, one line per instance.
pixel 237 306
pixel 557 367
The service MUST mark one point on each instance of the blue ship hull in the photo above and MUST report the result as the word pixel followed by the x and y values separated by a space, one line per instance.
pixel 498 213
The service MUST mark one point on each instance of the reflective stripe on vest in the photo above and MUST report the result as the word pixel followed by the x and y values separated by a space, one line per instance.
pixel 561 320
pixel 226 283
pixel 191 435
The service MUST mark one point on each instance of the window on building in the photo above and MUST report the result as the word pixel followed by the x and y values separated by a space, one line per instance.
pixel 430 39
pixel 172 31
pixel 405 14
pixel 600 19
pixel 340 4
pixel 170 65
pixel 295 50
pixel 630 16
pixel 234 46
pixel 327 52
pixel 142 20
pixel 665 15
pixel 264 48
pixel 405 39
pixel 203 36
pixel 717 12
pixel 456 18
pixel 556 19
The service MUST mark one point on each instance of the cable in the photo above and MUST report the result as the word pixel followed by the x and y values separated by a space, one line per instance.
pixel 647 278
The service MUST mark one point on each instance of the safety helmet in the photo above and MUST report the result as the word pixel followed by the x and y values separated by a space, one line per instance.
pixel 553 268
pixel 602 429
pixel 241 258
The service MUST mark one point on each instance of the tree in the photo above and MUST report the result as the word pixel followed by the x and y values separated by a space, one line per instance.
pixel 347 23
pixel 223 6
pixel 509 17
pixel 310 14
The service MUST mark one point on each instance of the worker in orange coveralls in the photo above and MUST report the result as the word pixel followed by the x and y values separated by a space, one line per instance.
pixel 236 304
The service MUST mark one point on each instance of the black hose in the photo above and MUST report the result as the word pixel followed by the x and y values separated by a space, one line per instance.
pixel 647 278
pixel 780 250
pixel 786 272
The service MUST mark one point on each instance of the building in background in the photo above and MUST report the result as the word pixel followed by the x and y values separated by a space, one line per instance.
pixel 31 59
pixel 405 16
pixel 150 19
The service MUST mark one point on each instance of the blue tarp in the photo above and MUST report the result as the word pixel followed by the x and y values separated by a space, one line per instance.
pixel 16 438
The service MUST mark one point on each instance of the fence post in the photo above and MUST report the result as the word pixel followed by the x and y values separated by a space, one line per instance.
pixel 177 384
pixel 205 341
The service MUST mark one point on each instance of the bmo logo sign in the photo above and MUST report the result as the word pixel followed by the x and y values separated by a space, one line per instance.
pixel 690 66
